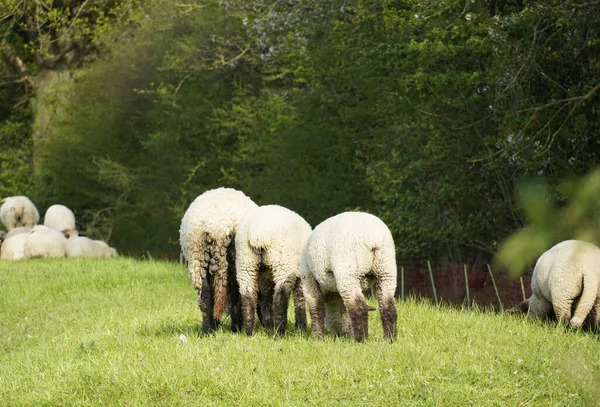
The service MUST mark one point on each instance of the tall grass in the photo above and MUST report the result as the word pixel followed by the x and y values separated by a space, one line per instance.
pixel 127 333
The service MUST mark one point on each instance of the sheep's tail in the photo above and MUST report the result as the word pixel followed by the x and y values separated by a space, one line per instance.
pixel 586 301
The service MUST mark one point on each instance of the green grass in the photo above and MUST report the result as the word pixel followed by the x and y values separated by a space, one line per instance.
pixel 109 333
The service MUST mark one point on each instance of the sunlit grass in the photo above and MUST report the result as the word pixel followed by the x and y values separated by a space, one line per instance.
pixel 126 332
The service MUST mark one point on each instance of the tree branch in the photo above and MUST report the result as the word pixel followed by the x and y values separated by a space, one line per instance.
pixel 17 63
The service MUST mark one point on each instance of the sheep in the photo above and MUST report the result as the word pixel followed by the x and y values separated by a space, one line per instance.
pixel 43 241
pixel 566 281
pixel 268 245
pixel 83 246
pixel 61 218
pixel 17 230
pixel 345 255
pixel 18 211
pixel 206 236
pixel 13 248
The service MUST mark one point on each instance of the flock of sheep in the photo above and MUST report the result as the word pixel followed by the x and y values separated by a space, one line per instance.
pixel 251 258
pixel 57 237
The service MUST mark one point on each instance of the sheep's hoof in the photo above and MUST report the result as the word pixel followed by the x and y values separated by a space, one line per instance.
pixel 576 322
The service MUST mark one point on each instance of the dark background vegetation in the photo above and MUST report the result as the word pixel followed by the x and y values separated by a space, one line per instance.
pixel 428 114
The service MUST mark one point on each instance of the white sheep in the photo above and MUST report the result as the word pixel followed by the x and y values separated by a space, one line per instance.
pixel 566 281
pixel 268 247
pixel 17 230
pixel 345 255
pixel 207 233
pixel 83 246
pixel 13 248
pixel 43 241
pixel 61 218
pixel 18 211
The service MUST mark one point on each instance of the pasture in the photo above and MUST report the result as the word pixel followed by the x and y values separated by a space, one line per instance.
pixel 124 332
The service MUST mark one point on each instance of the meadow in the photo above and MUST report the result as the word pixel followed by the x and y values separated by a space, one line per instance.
pixel 126 332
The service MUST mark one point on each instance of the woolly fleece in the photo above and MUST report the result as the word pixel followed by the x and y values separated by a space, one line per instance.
pixel 566 272
pixel 61 218
pixel 206 236
pixel 83 246
pixel 43 241
pixel 18 211
pixel 345 255
pixel 268 246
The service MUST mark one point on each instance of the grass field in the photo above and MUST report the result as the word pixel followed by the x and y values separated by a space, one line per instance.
pixel 126 333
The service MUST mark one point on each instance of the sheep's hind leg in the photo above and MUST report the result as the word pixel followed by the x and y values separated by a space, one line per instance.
pixel 299 306
pixel 357 307
pixel 316 304
pixel 209 324
pixel 334 307
pixel 265 296
pixel 281 299
pixel 235 307
pixel 387 308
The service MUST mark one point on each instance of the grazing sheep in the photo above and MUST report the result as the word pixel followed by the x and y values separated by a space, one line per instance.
pixel 61 218
pixel 83 246
pixel 18 211
pixel 345 255
pixel 566 281
pixel 17 230
pixel 207 235
pixel 13 248
pixel 43 241
pixel 268 246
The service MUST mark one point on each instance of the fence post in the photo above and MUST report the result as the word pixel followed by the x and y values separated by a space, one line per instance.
pixel 402 283
pixel 522 288
pixel 432 284
pixel 495 288
pixel 467 287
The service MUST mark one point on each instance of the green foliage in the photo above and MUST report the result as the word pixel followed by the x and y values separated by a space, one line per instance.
pixel 16 170
pixel 100 332
pixel 424 113
pixel 569 210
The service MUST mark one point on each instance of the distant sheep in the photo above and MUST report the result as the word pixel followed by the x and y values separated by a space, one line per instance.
pixel 17 230
pixel 268 247
pixel 566 281
pixel 345 255
pixel 18 211
pixel 43 241
pixel 83 246
pixel 61 218
pixel 207 235
pixel 13 248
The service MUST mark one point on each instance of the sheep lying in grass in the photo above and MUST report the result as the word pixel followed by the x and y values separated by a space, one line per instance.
pixel 43 241
pixel 13 248
pixel 83 246
pixel 61 218
pixel 17 230
pixel 268 246
pixel 344 256
pixel 207 236
pixel 566 281
pixel 18 211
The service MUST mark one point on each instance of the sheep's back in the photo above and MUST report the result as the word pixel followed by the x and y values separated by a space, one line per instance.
pixel 213 215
